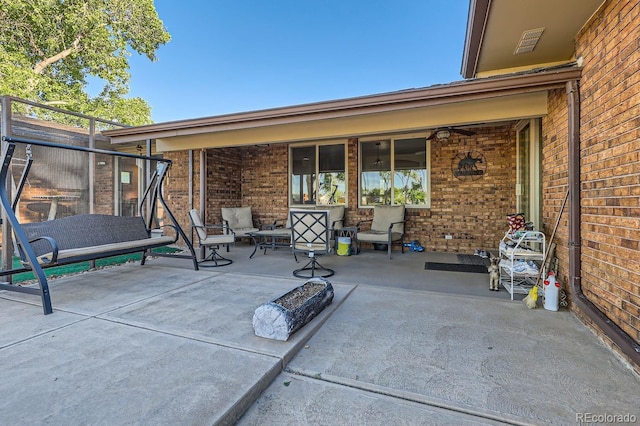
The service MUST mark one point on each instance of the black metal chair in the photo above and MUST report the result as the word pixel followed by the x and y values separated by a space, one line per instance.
pixel 310 234
pixel 212 241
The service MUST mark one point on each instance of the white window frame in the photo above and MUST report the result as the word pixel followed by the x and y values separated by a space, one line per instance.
pixel 534 170
pixel 392 139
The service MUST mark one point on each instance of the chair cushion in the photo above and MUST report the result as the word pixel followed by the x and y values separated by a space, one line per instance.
pixel 318 248
pixel 310 230
pixel 383 216
pixel 336 214
pixel 377 236
pixel 213 240
pixel 196 221
pixel 238 217
pixel 288 225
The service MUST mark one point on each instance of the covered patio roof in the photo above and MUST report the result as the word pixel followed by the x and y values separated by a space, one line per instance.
pixel 463 103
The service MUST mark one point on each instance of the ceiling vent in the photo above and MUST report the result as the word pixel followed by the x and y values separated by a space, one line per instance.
pixel 528 41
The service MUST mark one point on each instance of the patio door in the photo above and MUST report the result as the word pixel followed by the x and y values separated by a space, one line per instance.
pixel 528 180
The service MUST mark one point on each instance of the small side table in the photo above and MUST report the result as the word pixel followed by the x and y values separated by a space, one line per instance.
pixel 351 232
pixel 270 237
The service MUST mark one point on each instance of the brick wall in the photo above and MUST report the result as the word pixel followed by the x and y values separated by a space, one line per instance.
pixel 176 192
pixel 555 178
pixel 610 150
pixel 103 185
pixel 265 181
pixel 472 212
pixel 224 184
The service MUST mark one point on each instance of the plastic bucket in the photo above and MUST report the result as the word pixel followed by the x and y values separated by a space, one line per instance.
pixel 344 246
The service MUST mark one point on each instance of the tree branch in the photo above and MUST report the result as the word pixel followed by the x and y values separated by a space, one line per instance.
pixel 40 66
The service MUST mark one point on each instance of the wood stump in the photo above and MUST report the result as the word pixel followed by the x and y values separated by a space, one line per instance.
pixel 284 315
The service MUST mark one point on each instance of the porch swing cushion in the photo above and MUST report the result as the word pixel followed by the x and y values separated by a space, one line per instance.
pixel 89 236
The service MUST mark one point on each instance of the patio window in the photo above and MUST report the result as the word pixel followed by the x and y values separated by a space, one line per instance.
pixel 394 171
pixel 318 174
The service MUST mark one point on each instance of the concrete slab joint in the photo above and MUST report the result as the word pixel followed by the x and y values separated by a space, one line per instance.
pixel 284 315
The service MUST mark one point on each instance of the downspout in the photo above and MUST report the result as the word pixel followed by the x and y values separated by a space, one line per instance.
pixel 617 335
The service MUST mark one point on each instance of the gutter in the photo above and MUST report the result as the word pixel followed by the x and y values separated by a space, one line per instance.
pixel 468 90
pixel 618 336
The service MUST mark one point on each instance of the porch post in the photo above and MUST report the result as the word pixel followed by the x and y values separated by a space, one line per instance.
pixel 7 242
pixel 203 190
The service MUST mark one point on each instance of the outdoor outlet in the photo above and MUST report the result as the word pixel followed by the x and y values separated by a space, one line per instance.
pixel 448 237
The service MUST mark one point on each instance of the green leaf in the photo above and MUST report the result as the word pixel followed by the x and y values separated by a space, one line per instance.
pixel 48 48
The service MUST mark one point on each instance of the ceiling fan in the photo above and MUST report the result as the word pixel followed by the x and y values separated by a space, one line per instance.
pixel 444 133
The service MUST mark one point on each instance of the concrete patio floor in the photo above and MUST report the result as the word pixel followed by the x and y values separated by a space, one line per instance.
pixel 163 344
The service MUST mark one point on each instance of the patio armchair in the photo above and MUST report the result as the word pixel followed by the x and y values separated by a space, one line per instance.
pixel 310 234
pixel 212 237
pixel 239 219
pixel 386 227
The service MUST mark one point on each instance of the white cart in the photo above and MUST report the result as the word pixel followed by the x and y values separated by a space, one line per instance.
pixel 518 247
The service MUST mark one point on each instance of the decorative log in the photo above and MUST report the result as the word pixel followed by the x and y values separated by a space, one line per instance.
pixel 286 314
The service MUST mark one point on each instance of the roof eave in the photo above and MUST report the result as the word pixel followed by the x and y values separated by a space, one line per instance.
pixel 450 93
pixel 476 24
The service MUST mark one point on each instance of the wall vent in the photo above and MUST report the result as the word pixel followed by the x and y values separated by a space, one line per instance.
pixel 528 41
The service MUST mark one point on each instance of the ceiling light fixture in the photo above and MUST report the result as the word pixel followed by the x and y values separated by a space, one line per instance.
pixel 378 161
pixel 443 134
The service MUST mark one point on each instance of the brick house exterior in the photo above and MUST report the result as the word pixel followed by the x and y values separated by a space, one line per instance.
pixel 260 178
pixel 610 157
pixel 590 109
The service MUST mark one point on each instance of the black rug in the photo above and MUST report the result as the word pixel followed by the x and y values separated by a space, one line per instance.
pixel 470 259
pixel 455 267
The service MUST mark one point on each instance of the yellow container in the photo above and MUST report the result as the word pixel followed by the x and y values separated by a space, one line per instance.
pixel 344 246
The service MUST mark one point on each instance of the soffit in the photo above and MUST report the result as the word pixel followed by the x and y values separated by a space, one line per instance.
pixel 421 119
pixel 496 26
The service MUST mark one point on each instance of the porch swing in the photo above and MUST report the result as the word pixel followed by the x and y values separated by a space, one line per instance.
pixel 82 237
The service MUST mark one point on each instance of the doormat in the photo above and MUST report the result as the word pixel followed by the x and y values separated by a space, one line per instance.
pixel 470 259
pixel 455 267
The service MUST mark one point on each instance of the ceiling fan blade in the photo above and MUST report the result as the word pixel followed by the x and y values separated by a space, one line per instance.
pixel 463 132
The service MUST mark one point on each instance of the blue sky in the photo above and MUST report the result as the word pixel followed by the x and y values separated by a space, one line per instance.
pixel 229 56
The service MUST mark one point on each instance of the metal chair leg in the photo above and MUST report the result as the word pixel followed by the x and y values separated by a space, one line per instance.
pixel 313 266
pixel 214 259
